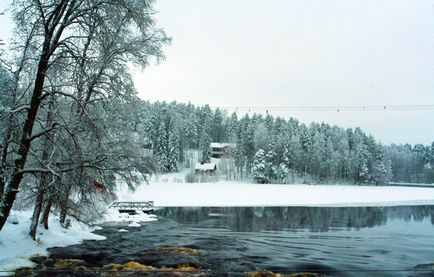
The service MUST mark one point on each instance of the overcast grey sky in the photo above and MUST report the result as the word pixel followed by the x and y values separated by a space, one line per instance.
pixel 302 53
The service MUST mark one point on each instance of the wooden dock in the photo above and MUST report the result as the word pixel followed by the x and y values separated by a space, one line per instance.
pixel 131 207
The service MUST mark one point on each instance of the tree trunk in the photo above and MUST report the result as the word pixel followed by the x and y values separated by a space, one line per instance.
pixel 63 212
pixel 4 156
pixel 11 191
pixel 47 146
pixel 2 187
pixel 46 214
pixel 36 213
pixel 51 39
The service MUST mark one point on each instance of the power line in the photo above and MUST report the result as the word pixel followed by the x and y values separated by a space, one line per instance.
pixel 330 108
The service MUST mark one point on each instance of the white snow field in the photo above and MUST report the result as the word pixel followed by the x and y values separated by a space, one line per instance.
pixel 244 194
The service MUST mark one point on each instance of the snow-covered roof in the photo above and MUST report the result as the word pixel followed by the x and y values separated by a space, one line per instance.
pixel 205 166
pixel 221 145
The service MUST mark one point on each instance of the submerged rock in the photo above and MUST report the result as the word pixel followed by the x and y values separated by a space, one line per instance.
pixel 175 257
pixel 186 267
pixel 264 273
pixel 181 250
pixel 38 259
pixel 24 271
pixel 67 263
pixel 306 274
pixel 130 266
pixel 137 266
pixel 144 270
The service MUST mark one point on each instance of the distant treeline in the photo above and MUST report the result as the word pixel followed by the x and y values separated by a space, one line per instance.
pixel 273 149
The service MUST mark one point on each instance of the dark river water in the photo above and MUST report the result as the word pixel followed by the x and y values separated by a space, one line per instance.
pixel 362 241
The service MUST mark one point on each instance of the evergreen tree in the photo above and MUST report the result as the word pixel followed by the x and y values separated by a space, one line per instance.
pixel 217 128
pixel 231 127
pixel 247 133
pixel 259 167
pixel 174 150
pixel 261 138
pixel 167 145
pixel 239 157
pixel 318 155
pixel 431 160
pixel 269 122
pixel 271 169
pixel 205 146
pixel 306 144
pixel 161 148
pixel 363 169
pixel 379 173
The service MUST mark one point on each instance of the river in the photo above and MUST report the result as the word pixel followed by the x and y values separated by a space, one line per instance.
pixel 359 241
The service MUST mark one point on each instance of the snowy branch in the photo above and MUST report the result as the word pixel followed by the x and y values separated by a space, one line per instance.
pixel 43 132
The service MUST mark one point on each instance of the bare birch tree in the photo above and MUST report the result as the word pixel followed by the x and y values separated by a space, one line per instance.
pixel 81 51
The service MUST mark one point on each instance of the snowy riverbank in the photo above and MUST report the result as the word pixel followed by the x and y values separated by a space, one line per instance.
pixel 244 194
pixel 16 246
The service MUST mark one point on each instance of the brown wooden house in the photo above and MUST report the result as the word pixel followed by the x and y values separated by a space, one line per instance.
pixel 221 149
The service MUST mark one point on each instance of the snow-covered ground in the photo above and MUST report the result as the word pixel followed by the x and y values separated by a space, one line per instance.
pixel 16 246
pixel 244 194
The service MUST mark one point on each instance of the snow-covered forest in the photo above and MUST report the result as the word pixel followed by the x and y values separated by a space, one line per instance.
pixel 277 150
pixel 72 126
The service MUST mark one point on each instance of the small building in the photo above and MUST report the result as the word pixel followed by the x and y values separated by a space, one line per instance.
pixel 205 167
pixel 221 149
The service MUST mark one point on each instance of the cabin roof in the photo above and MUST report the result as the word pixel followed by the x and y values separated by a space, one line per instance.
pixel 222 145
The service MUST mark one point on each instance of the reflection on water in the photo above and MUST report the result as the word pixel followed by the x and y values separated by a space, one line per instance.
pixel 363 241
pixel 315 219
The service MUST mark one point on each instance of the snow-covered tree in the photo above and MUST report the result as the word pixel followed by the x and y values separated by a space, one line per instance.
pixel 174 149
pixel 205 146
pixel 363 169
pixel 231 127
pixel 261 137
pixel 239 158
pixel 259 166
pixel 246 139
pixel 379 173
pixel 431 160
pixel 271 165
pixel 86 72
pixel 217 128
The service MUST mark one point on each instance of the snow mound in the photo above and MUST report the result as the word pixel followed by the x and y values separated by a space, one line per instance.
pixel 16 246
